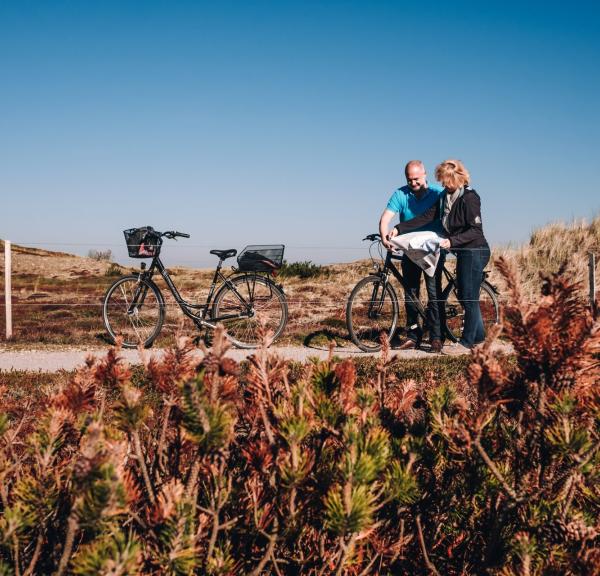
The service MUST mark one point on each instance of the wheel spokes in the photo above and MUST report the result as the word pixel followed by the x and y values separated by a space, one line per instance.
pixel 137 323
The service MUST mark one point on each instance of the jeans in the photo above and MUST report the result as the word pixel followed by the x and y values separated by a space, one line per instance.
pixel 435 307
pixel 470 263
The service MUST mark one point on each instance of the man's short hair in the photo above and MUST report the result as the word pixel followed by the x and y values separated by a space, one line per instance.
pixel 413 164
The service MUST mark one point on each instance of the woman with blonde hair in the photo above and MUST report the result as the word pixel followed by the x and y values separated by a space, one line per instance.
pixel 459 211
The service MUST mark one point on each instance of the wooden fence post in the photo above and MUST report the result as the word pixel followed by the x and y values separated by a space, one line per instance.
pixel 8 289
pixel 592 277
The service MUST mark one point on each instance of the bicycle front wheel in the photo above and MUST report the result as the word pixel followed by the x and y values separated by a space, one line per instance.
pixel 133 310
pixel 455 314
pixel 372 309
pixel 248 307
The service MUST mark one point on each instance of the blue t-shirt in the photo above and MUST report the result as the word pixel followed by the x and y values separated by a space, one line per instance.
pixel 407 206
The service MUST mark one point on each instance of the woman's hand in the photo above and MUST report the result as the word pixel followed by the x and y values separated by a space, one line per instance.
pixel 445 243
pixel 386 240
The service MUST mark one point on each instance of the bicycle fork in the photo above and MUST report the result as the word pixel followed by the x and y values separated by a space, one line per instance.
pixel 377 299
pixel 139 296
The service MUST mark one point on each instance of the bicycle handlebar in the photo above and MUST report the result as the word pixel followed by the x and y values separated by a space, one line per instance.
pixel 372 237
pixel 171 234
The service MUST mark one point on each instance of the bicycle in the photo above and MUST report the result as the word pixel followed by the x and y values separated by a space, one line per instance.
pixel 247 301
pixel 373 308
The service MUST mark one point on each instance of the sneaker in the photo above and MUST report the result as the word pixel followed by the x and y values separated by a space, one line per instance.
pixel 457 349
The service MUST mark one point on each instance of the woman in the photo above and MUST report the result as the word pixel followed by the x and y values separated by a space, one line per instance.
pixel 459 210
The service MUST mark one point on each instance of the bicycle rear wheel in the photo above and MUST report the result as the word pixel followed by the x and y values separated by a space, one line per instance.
pixel 455 314
pixel 133 310
pixel 490 307
pixel 251 303
pixel 371 310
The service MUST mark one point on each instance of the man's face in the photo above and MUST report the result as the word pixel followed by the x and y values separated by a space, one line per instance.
pixel 416 178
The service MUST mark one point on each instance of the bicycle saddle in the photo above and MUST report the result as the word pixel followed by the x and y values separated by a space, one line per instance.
pixel 224 254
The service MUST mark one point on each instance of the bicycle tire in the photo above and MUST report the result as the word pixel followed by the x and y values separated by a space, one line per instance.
pixel 367 316
pixel 140 325
pixel 488 302
pixel 268 304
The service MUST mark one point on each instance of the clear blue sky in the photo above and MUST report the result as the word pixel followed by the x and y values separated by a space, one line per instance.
pixel 288 122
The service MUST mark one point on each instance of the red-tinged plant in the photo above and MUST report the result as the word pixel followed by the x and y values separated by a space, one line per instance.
pixel 200 467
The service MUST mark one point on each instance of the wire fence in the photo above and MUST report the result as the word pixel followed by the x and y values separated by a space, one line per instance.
pixel 326 304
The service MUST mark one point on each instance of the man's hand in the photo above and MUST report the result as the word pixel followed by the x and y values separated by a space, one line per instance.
pixel 384 224
pixel 445 243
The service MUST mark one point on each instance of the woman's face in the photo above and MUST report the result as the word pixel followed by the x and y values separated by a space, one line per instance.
pixel 449 188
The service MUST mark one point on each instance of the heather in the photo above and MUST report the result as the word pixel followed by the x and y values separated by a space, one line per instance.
pixel 203 466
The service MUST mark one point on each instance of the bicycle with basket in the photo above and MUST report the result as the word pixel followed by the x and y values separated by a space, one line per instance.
pixel 247 301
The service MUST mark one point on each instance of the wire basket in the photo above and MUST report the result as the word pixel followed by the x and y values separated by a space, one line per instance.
pixel 142 242
pixel 261 258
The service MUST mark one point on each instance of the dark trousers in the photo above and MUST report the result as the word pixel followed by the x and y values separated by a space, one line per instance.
pixel 435 307
pixel 469 274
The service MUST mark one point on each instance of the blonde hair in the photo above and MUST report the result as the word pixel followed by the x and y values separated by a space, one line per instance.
pixel 452 174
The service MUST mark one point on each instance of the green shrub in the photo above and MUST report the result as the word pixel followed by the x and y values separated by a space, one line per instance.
pixel 305 269
pixel 114 270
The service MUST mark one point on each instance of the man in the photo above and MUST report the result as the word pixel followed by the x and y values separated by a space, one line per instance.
pixel 410 201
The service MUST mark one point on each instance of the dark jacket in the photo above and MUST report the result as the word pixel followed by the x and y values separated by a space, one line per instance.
pixel 464 220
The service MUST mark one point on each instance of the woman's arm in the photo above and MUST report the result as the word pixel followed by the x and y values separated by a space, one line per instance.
pixel 474 228
pixel 430 215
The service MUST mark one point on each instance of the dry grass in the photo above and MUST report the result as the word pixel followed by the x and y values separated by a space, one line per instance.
pixel 57 300
pixel 551 247
pixel 57 297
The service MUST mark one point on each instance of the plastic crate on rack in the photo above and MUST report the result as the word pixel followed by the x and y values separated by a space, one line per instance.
pixel 265 258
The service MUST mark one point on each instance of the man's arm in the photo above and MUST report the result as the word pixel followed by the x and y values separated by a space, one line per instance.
pixel 384 226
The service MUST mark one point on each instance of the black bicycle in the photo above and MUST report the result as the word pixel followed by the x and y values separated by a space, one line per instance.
pixel 246 302
pixel 373 306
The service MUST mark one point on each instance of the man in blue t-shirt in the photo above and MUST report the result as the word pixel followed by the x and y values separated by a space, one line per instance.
pixel 410 201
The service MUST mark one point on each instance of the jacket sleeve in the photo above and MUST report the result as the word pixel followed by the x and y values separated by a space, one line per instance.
pixel 473 228
pixel 428 216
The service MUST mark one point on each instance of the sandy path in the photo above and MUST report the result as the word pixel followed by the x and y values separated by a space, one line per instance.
pixel 70 359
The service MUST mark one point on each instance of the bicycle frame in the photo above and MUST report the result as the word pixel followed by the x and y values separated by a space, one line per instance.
pixel 189 308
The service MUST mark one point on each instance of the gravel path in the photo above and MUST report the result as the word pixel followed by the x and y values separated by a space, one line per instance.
pixel 45 360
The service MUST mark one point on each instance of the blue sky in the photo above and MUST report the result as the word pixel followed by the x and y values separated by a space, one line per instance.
pixel 288 122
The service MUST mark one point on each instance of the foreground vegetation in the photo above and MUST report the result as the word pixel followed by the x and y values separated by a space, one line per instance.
pixel 188 467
